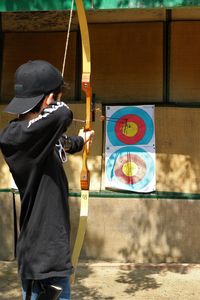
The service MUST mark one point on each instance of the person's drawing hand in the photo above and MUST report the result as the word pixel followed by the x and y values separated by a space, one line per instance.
pixel 87 135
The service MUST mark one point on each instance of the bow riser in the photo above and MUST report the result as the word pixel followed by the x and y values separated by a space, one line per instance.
pixel 85 174
pixel 86 88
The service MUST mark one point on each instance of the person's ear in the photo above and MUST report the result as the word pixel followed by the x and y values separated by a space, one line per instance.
pixel 49 99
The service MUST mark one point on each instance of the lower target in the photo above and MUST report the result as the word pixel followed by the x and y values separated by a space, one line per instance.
pixel 131 168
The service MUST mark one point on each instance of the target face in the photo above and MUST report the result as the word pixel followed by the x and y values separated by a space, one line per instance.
pixel 130 148
pixel 130 126
pixel 131 168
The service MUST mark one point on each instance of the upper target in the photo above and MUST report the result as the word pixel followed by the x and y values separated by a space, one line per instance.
pixel 129 126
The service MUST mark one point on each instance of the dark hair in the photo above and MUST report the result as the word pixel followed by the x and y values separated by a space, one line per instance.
pixel 36 108
pixel 55 92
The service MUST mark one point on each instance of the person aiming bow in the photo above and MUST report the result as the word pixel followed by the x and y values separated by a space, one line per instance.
pixel 34 146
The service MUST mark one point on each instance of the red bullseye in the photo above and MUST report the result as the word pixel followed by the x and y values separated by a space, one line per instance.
pixel 130 168
pixel 130 129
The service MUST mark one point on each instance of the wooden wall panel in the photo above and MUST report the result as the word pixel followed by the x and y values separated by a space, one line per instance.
pixel 178 149
pixel 188 13
pixel 21 47
pixel 127 62
pixel 185 62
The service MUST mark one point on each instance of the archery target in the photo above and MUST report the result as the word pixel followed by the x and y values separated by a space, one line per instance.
pixel 131 168
pixel 129 126
pixel 130 148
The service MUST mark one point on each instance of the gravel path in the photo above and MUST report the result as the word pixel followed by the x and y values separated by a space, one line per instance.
pixel 109 281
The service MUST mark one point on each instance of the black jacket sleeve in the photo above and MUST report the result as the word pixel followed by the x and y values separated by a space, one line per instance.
pixel 72 144
pixel 38 136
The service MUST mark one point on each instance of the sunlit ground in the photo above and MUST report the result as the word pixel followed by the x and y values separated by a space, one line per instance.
pixel 104 281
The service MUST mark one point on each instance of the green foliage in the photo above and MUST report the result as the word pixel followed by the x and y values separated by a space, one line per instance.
pixel 42 5
pixel 114 4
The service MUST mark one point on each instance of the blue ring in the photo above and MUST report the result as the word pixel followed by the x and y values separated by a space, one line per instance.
pixel 133 150
pixel 126 111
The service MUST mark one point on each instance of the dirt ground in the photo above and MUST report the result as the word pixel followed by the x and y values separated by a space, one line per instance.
pixel 108 281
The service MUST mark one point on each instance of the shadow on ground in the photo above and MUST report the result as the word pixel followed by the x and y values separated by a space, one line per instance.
pixel 139 278
pixel 81 292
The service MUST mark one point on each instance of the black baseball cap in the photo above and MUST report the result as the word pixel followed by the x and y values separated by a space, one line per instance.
pixel 33 80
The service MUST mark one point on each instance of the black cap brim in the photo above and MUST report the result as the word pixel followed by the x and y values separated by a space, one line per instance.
pixel 21 106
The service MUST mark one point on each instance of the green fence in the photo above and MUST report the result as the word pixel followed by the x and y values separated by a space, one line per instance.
pixel 130 195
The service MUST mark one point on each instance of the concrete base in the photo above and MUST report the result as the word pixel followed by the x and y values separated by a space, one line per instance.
pixel 6 227
pixel 140 230
pixel 125 230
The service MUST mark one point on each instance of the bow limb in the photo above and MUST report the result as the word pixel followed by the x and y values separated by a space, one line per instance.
pixel 85 174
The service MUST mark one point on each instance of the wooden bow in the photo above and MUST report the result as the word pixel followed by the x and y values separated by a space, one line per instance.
pixel 85 174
